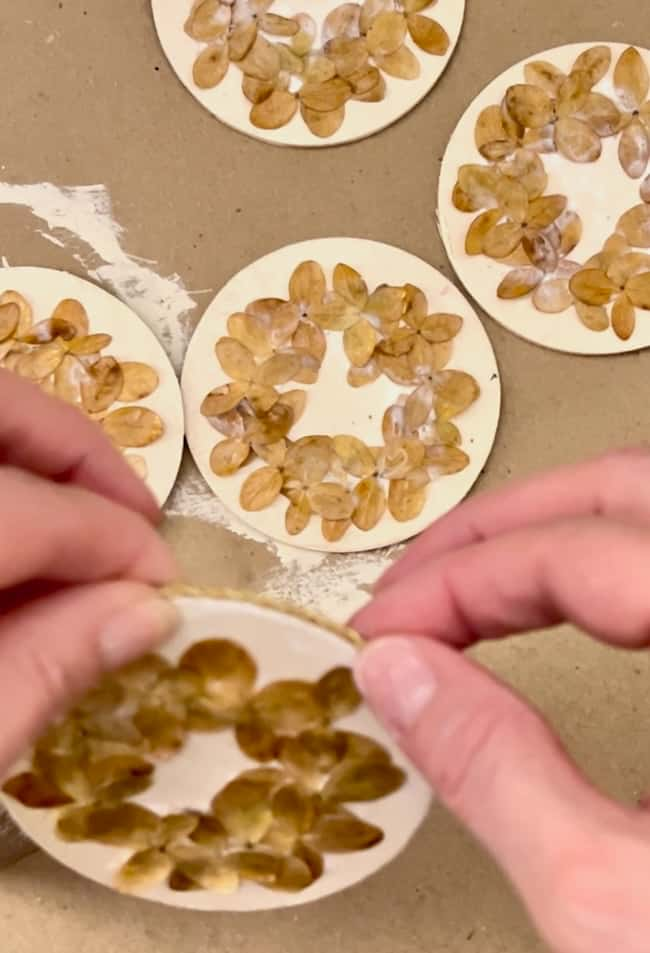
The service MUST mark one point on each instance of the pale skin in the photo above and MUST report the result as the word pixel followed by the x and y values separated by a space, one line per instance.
pixel 80 568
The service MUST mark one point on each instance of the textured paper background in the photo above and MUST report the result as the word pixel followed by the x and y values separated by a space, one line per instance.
pixel 89 99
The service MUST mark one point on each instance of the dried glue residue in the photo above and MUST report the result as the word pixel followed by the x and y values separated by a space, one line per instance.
pixel 83 216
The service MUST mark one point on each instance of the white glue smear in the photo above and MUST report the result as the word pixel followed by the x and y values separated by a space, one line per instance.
pixel 85 213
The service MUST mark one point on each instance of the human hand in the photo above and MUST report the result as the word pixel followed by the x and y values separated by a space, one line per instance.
pixel 78 557
pixel 572 545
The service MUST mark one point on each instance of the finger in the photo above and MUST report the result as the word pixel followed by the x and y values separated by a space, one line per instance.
pixel 610 486
pixel 53 649
pixel 55 440
pixel 591 572
pixel 64 533
pixel 580 862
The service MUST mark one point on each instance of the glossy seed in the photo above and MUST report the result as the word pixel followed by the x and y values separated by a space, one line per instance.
pixel 125 825
pixel 428 34
pixel 138 381
pixel 340 832
pixel 288 707
pixel 102 386
pixel 35 792
pixel 370 505
pixel 71 311
pixel 623 317
pixel 256 740
pixel 363 781
pixel 227 670
pixel 144 869
pixel 405 500
pixel 336 691
pixel 133 426
pixel 243 808
pixel 519 283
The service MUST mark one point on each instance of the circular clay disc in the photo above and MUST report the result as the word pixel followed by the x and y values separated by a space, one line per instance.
pixel 132 341
pixel 599 191
pixel 332 406
pixel 284 646
pixel 227 102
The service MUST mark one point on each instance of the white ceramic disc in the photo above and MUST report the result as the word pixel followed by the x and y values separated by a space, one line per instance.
pixel 332 406
pixel 132 341
pixel 229 105
pixel 599 192
pixel 284 646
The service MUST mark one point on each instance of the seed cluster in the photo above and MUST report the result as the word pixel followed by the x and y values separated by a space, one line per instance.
pixel 360 43
pixel 61 355
pixel 270 825
pixel 534 233
pixel 339 479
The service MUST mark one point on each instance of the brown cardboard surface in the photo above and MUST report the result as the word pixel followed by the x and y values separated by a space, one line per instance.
pixel 88 98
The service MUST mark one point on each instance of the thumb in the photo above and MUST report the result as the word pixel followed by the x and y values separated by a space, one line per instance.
pixel 493 761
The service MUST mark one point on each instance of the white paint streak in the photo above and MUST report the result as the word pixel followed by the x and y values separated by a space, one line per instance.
pixel 85 213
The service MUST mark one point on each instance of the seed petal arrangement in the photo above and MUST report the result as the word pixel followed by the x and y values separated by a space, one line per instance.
pixel 533 233
pixel 61 355
pixel 269 826
pixel 287 67
pixel 277 343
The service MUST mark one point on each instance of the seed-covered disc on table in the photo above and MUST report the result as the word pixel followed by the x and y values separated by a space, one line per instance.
pixel 301 74
pixel 340 395
pixel 291 793
pixel 544 198
pixel 80 344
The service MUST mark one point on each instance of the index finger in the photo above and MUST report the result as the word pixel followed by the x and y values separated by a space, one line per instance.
pixel 54 440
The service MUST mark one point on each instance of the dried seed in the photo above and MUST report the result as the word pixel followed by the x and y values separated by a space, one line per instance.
pixel 241 40
pixel 595 62
pixel 325 97
pixel 308 460
pixel 278 369
pixel 627 266
pixel 479 229
pixel 322 124
pixel 528 169
pixel 544 75
pixel 480 184
pixel 601 114
pixel 545 210
pixel 243 808
pixel 634 225
pixel 133 427
pixel 594 318
pixel 631 79
pixel 71 311
pixel 262 60
pixel 342 832
pixel 359 342
pixel 144 869
pixel 303 41
pixel 502 240
pixel 387 303
pixel 226 669
pixel 349 284
pixel 592 286
pixel 402 457
pixel 519 283
pixel 293 808
pixel 39 363
pixel 405 500
pixel 362 781
pixel 209 832
pixel 318 69
pixel 623 317
pixel 288 707
pixel 311 755
pixel 222 399
pixel 277 25
pixel 368 85
pixel 334 530
pixel 455 392
pixel 307 284
pixel 402 63
pixel 447 460
pixel 490 135
pixel 529 106
pixel 342 22
pixel 138 381
pixel 573 94
pixel 553 297
pixel 102 385
pixel 570 228
pixel 125 825
pixel 208 20
pixel 331 501
pixel 355 456
pixel 25 317
pixel 360 376
pixel 178 881
pixel 539 248
pixel 513 199
pixel 293 875
pixel 539 140
pixel 298 516
pixel 348 55
pixel 416 411
pixel 252 331
pixel 260 867
pixel 257 90
pixel 256 740
pixel 211 66
pixel 9 318
pixel 386 33
pixel 634 149
pixel 164 733
pixel 577 141
pixel 337 693
pixel 275 111
pixel 429 35
pixel 638 290
pixel 35 792
pixel 645 190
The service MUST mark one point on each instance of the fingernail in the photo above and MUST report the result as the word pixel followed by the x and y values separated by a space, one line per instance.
pixel 396 681
pixel 137 629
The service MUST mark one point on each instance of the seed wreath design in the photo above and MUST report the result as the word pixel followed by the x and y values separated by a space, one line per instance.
pixel 533 232
pixel 338 479
pixel 61 355
pixel 360 43
pixel 270 825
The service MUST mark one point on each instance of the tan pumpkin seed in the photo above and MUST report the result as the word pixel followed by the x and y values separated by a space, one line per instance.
pixel 243 808
pixel 593 317
pixel 318 69
pixel 235 359
pixel 361 376
pixel 349 55
pixel 342 22
pixel 208 20
pixel 133 427
pixel 447 460
pixel 540 251
pixel 272 453
pixel 71 311
pixel 631 79
pixel 311 755
pixel 125 825
pixel 337 693
pixel 629 264
pixel 519 283
pixel 573 94
pixel 24 307
pixel 289 706
pixel 349 284
pixel 35 792
pixel 595 62
pixel 335 313
pixel 256 740
pixel 38 363
pixel 138 381
pixel 341 832
pixel 359 342
pixel 331 501
pixel 144 869
pixel 592 286
pixel 623 317
pixel 601 114
pixel 490 135
pixel 428 34
pixel 480 184
pixel 402 63
pixel 387 303
pixel 325 97
pixel 334 530
pixel 479 229
pixel 211 66
pixel 527 167
pixel 545 210
pixel 577 141
pixel 638 291
pixel 222 399
pixel 544 75
pixel 322 124
pixel 634 149
pixel 405 500
pixel 102 385
pixel 9 318
pixel 257 90
pixel 277 25
pixel 539 140
pixel 416 412
pixel 209 832
pixel 355 456
pixel 529 106
pixel 241 40
pixel 227 671
pixel 303 41
pixel 298 516
pixel 553 296
pixel 634 226
pixel 260 489
pixel 455 392
pixel 360 781
pixel 275 111
pixel 502 240
pixel 228 456
pixel 252 331
pixel 307 284
pixel 256 866
pixel 386 33
pixel 262 60
pixel 370 504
